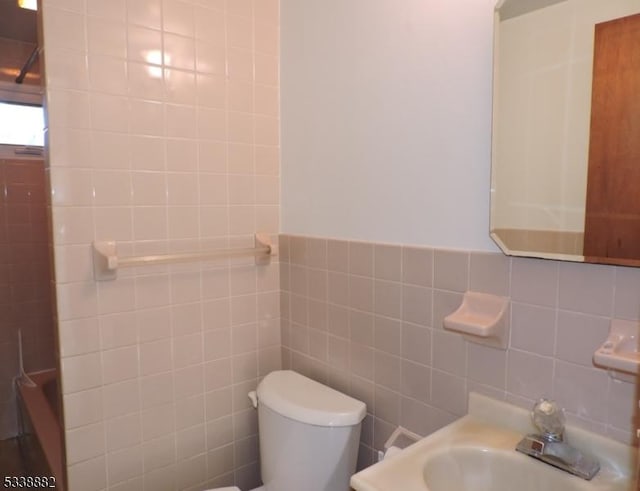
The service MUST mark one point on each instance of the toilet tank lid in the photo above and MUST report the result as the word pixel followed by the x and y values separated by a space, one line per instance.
pixel 299 398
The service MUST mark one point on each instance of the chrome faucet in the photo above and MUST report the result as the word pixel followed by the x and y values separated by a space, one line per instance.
pixel 549 445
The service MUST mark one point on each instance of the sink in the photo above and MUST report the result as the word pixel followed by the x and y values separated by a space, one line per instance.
pixel 477 453
pixel 482 469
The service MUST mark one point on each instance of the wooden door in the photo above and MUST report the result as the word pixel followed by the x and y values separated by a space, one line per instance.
pixel 612 223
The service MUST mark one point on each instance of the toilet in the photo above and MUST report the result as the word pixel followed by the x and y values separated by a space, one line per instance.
pixel 309 434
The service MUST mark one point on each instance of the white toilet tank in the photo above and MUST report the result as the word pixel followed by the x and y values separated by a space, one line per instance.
pixel 309 434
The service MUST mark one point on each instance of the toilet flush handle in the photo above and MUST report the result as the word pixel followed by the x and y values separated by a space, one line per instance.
pixel 254 398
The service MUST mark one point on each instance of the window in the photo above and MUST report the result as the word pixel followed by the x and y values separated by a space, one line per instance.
pixel 21 125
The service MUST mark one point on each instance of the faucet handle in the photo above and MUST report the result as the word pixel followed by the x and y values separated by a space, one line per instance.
pixel 549 419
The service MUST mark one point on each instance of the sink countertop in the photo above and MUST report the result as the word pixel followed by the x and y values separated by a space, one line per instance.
pixel 493 425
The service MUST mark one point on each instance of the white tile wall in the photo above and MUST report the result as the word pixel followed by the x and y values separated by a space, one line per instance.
pixel 163 135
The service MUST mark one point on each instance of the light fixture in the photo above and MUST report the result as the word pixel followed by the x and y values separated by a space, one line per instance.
pixel 28 4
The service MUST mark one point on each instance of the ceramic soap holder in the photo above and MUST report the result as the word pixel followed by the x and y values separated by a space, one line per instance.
pixel 620 353
pixel 482 318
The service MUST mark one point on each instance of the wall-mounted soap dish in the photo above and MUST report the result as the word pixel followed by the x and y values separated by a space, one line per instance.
pixel 482 319
pixel 620 353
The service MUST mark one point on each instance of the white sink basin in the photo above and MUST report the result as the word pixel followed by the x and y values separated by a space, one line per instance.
pixel 482 469
pixel 477 453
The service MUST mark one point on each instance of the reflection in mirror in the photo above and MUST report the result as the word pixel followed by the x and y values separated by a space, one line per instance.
pixel 546 137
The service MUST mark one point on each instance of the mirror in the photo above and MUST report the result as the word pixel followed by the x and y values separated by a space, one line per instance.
pixel 566 138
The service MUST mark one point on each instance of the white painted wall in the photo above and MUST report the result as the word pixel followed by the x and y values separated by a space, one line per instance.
pixel 386 120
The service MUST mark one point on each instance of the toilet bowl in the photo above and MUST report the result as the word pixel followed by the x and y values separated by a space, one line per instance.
pixel 309 434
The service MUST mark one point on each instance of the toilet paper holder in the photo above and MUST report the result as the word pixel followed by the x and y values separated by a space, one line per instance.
pixel 400 439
